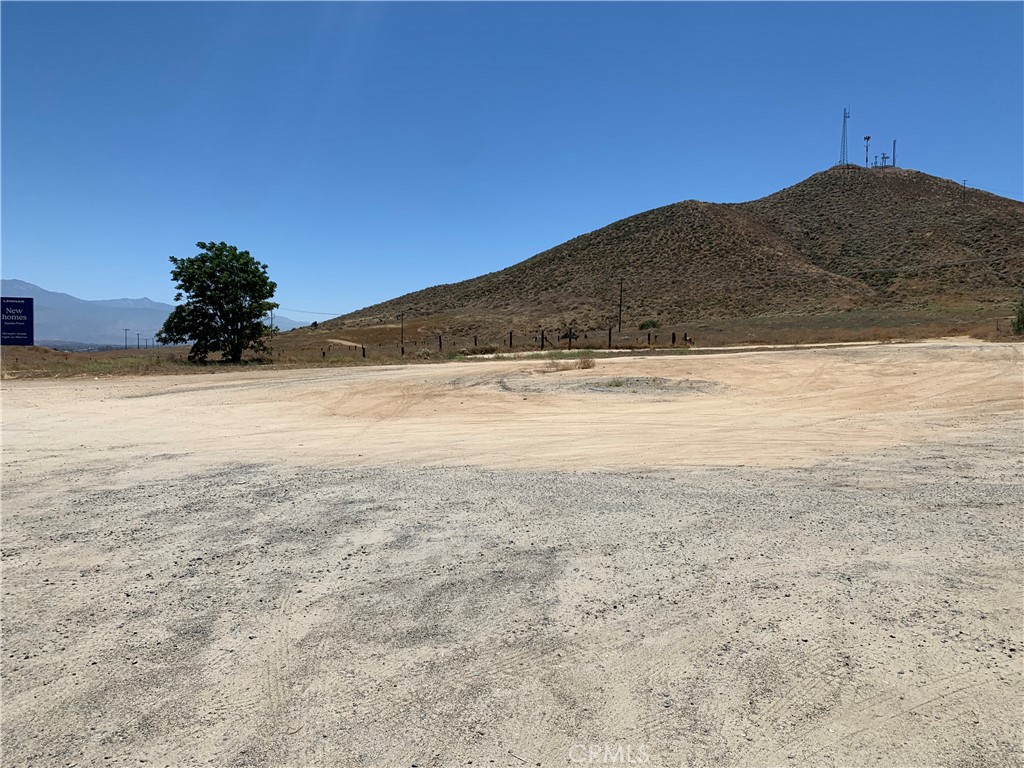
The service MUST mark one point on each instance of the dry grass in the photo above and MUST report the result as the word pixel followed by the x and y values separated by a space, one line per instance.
pixel 41 362
pixel 314 348
pixel 584 359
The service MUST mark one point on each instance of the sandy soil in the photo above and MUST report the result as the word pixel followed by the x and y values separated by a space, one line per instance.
pixel 805 557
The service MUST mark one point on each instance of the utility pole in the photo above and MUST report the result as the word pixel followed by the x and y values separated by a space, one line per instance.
pixel 138 341
pixel 965 191
pixel 620 305
pixel 126 337
pixel 401 316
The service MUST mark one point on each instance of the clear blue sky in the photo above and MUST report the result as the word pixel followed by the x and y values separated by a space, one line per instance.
pixel 368 150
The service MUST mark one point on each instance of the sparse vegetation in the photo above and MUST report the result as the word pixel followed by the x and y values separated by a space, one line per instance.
pixel 566 361
pixel 648 325
pixel 553 365
pixel 40 362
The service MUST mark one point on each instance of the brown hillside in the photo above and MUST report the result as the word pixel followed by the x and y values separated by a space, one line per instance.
pixel 898 230
pixel 845 238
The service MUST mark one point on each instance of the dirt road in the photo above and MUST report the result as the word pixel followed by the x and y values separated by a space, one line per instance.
pixel 782 558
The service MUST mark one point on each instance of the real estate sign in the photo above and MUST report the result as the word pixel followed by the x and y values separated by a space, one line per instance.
pixel 18 324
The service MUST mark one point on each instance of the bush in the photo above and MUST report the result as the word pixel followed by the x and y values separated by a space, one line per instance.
pixel 647 325
pixel 586 359
pixel 1018 321
pixel 565 361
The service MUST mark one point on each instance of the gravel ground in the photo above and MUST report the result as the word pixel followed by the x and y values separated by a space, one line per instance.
pixel 863 611
pixel 179 590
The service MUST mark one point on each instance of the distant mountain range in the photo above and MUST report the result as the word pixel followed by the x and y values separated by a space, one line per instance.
pixel 64 321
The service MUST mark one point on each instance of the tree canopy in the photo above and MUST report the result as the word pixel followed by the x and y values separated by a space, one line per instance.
pixel 227 294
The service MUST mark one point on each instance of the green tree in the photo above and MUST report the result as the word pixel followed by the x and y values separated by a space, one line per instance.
pixel 228 293
pixel 1018 321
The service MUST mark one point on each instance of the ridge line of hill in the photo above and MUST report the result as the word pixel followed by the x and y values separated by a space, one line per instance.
pixel 846 238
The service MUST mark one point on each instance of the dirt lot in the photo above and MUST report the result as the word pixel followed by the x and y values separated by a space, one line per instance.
pixel 805 557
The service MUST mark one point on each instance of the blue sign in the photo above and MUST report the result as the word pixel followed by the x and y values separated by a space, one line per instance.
pixel 18 326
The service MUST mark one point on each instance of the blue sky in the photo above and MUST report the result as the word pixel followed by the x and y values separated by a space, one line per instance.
pixel 364 150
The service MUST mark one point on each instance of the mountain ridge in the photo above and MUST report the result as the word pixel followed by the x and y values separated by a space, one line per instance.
pixel 66 320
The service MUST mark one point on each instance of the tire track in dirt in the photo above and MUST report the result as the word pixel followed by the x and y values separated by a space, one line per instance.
pixel 875 712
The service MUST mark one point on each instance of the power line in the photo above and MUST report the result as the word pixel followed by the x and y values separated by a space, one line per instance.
pixel 311 312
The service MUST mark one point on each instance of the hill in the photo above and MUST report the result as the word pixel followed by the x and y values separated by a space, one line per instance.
pixel 67 322
pixel 847 238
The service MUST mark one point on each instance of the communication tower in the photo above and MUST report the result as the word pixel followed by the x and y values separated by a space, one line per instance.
pixel 867 142
pixel 842 146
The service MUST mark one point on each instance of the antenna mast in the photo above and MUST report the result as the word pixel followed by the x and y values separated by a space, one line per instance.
pixel 842 147
pixel 867 142
pixel 894 153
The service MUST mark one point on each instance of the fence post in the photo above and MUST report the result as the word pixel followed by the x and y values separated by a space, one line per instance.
pixel 439 342
pixel 648 338
pixel 510 339
pixel 570 338
pixel 673 338
pixel 542 340
pixel 364 350
pixel 609 338
pixel 474 341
